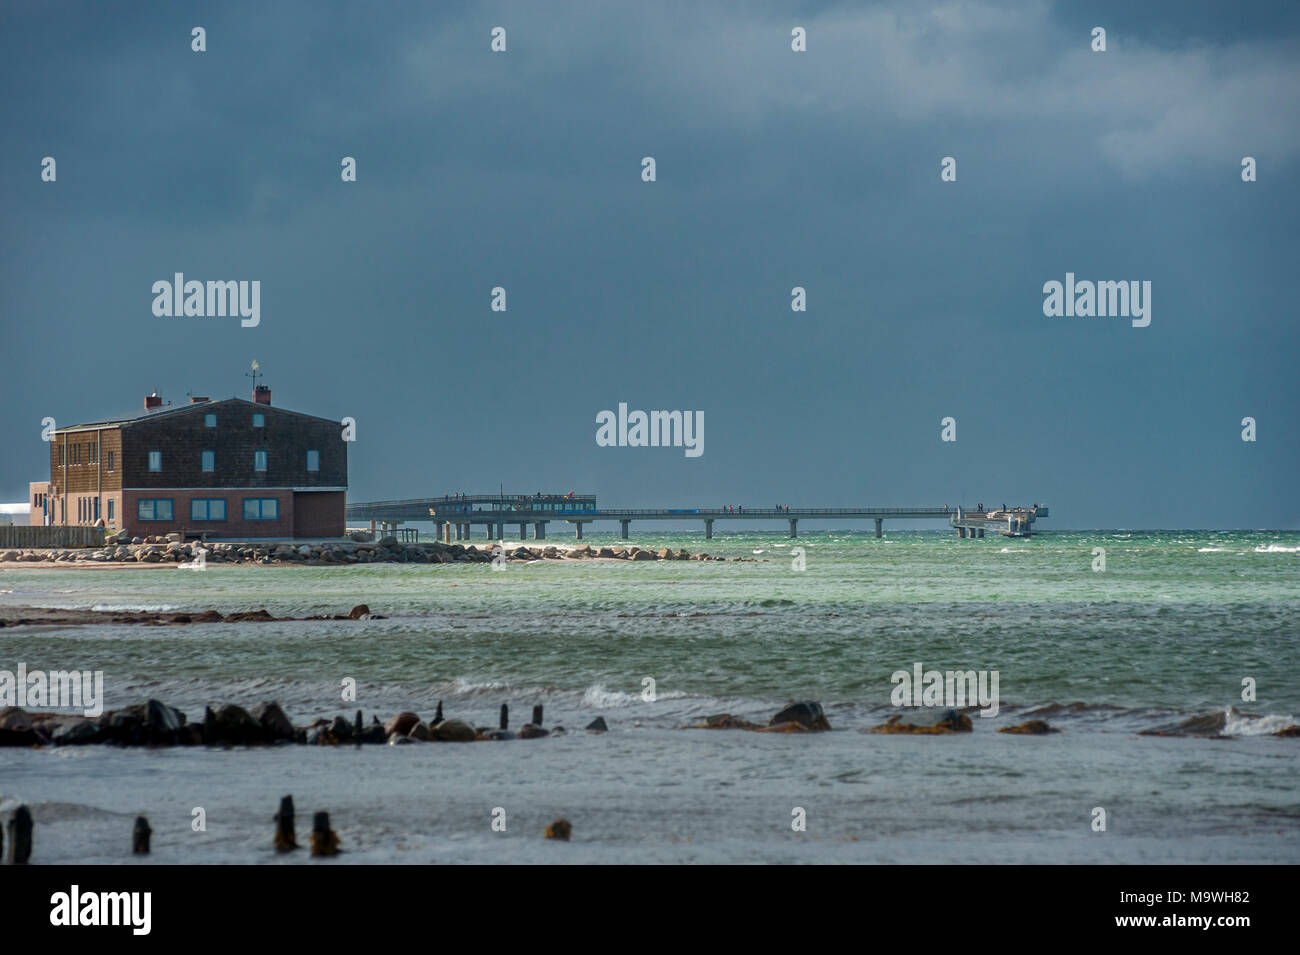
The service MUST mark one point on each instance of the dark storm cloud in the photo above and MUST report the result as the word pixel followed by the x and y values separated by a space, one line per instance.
pixel 775 169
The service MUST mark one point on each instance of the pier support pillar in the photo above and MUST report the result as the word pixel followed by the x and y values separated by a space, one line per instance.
pixel 578 530
pixel 880 523
pixel 961 532
pixel 487 531
pixel 708 529
pixel 372 528
pixel 981 533
pixel 539 531
pixel 625 525
pixel 523 532
pixel 501 530
pixel 794 528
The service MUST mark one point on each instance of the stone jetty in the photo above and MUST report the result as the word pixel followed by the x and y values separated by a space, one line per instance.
pixel 121 548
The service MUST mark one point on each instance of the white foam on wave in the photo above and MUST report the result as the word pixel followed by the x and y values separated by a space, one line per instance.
pixel 135 608
pixel 601 697
pixel 1277 549
pixel 1212 550
pixel 1243 724
pixel 469 687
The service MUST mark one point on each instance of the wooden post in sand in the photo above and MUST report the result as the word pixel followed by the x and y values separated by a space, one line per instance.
pixel 140 836
pixel 285 839
pixel 537 715
pixel 20 836
pixel 324 841
pixel 505 716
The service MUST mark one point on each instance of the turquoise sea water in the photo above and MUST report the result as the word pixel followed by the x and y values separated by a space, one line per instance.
pixel 1168 631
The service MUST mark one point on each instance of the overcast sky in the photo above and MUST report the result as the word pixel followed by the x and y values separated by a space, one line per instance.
pixel 775 169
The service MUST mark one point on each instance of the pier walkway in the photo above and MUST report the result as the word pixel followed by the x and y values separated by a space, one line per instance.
pixel 456 514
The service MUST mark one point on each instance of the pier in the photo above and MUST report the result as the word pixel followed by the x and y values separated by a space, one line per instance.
pixel 454 516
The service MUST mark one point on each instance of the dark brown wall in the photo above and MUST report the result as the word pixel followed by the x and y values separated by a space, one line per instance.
pixel 84 476
pixel 182 436
pixel 319 513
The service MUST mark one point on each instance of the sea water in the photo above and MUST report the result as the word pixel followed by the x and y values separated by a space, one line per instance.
pixel 1176 627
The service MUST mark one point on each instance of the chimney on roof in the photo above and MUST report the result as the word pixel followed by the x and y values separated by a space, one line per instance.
pixel 262 395
pixel 196 400
pixel 152 401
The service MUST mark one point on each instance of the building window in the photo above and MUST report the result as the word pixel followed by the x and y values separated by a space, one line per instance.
pixel 209 460
pixel 208 509
pixel 110 460
pixel 209 421
pixel 96 509
pixel 60 455
pixel 110 510
pixel 76 454
pixel 154 509
pixel 313 460
pixel 261 509
pixel 259 420
pixel 155 460
pixel 259 460
pixel 92 453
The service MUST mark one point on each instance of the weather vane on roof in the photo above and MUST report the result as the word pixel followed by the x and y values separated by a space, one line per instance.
pixel 255 373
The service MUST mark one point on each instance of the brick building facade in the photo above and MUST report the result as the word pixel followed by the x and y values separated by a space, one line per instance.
pixel 233 468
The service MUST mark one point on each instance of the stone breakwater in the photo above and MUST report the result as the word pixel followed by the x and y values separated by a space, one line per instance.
pixel 172 550
pixel 58 617
pixel 154 723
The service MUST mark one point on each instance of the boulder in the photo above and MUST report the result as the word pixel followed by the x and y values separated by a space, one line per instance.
pixel 924 721
pixel 807 714
pixel 74 731
pixel 17 728
pixel 597 725
pixel 1030 728
pixel 666 554
pixel 359 611
pixel 374 733
pixel 724 721
pixel 275 725
pixel 233 724
pixel 559 829
pixel 421 732
pixel 340 730
pixel 152 723
pixel 530 731
pixel 454 731
pixel 401 724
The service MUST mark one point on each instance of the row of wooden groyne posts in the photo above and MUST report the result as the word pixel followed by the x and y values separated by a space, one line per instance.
pixel 322 841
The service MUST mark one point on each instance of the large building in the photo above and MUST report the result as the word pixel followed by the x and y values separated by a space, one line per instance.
pixel 234 469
